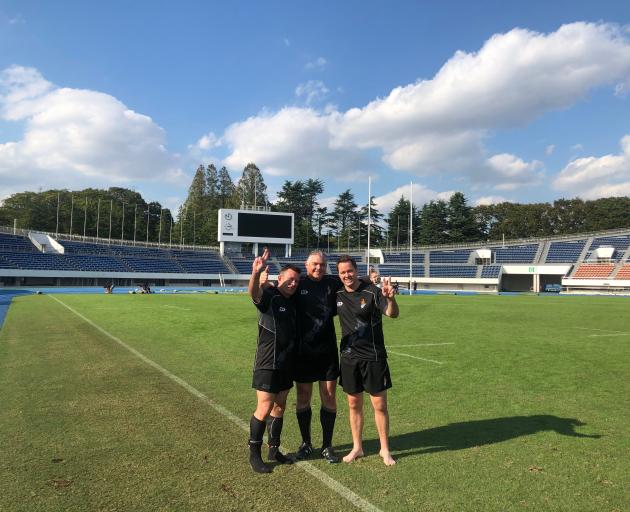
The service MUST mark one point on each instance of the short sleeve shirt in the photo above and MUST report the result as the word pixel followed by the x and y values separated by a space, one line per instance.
pixel 277 331
pixel 316 304
pixel 360 314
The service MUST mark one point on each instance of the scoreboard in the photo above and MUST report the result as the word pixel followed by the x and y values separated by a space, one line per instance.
pixel 255 226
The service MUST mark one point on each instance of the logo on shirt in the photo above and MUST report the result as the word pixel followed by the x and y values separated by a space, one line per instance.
pixel 339 303
pixel 362 302
pixel 282 309
pixel 304 292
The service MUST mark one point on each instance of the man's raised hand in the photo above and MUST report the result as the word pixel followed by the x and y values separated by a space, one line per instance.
pixel 386 288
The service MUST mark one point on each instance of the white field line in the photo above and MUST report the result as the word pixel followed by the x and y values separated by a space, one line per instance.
pixel 611 333
pixel 608 335
pixel 339 488
pixel 414 357
pixel 423 345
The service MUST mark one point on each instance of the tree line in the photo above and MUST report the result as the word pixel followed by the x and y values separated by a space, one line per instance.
pixel 120 213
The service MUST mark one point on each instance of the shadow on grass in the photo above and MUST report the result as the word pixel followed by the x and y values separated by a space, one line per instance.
pixel 470 434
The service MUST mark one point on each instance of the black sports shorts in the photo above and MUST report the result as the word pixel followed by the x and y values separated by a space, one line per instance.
pixel 358 375
pixel 272 381
pixel 313 369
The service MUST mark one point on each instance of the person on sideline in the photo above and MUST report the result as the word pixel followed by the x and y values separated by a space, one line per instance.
pixel 273 364
pixel 364 367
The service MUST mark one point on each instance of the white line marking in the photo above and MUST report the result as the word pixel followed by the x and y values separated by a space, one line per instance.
pixel 339 488
pixel 608 335
pixel 423 345
pixel 600 330
pixel 414 357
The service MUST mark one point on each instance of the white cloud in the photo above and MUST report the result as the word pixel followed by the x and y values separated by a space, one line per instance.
pixel 291 142
pixel 420 193
pixel 439 125
pixel 319 64
pixel 77 137
pixel 509 172
pixel 208 141
pixel 488 200
pixel 311 91
pixel 550 149
pixel 594 177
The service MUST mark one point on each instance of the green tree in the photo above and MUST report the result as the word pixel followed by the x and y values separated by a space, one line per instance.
pixel 251 189
pixel 227 197
pixel 344 217
pixel 398 221
pixel 462 225
pixel 433 226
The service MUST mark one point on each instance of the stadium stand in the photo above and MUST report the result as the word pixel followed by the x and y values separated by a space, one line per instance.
pixel 515 253
pixel 594 271
pixel 565 252
pixel 15 243
pixel 400 270
pixel 490 271
pixel 569 262
pixel 455 256
pixel 402 257
pixel 466 271
pixel 619 243
pixel 624 272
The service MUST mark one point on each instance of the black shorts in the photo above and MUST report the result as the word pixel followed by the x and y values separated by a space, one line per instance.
pixel 358 375
pixel 272 381
pixel 313 369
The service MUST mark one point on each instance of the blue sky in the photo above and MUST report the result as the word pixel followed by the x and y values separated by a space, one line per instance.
pixel 518 101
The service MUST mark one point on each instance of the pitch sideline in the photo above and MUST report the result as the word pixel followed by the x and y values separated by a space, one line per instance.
pixel 340 489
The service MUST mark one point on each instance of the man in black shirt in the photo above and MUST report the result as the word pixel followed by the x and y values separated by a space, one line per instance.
pixel 363 356
pixel 317 359
pixel 273 364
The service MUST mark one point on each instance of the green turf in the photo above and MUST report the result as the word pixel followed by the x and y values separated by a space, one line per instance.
pixel 529 410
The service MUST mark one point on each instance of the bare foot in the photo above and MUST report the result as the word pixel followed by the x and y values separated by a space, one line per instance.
pixel 387 458
pixel 353 455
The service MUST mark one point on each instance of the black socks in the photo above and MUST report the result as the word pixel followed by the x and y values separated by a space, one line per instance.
pixel 304 421
pixel 327 418
pixel 256 432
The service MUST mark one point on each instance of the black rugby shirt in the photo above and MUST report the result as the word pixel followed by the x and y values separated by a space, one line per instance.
pixel 316 309
pixel 277 331
pixel 360 314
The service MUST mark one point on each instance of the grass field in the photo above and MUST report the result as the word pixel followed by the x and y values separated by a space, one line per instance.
pixel 499 404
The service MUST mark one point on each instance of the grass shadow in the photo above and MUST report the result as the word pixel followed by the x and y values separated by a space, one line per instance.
pixel 470 434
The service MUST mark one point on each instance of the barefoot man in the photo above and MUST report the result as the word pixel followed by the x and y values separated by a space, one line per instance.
pixel 360 307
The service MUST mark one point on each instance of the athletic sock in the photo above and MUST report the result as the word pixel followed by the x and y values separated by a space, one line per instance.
pixel 256 432
pixel 327 418
pixel 304 421
pixel 274 429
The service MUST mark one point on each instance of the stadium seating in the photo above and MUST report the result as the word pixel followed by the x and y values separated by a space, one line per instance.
pixel 400 270
pixel 465 271
pixel 72 247
pixel 515 253
pixel 490 271
pixel 454 256
pixel 39 261
pixel 620 244
pixel 594 271
pixel 16 243
pixel 565 252
pixel 101 263
pixel 624 272
pixel 402 257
